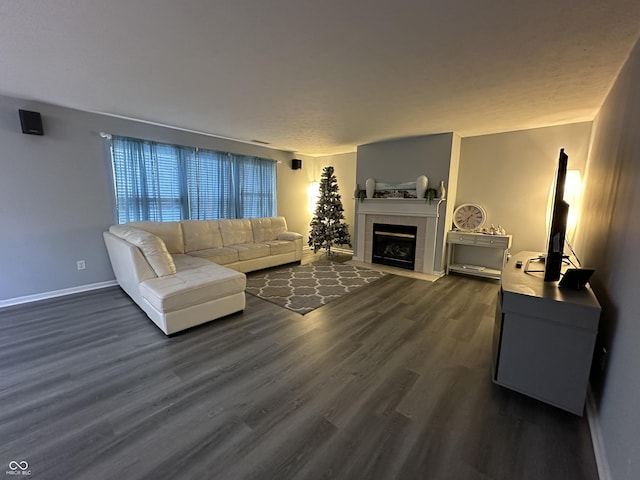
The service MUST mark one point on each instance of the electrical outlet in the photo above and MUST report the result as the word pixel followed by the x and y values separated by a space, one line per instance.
pixel 81 265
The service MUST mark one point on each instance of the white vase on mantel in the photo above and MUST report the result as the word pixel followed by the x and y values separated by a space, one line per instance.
pixel 370 187
pixel 422 182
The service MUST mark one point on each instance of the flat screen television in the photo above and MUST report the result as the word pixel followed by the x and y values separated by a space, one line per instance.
pixel 558 226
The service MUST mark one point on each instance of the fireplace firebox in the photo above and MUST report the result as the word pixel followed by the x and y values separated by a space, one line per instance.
pixel 394 245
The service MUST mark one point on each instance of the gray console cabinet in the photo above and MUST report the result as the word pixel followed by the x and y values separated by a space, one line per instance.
pixel 544 337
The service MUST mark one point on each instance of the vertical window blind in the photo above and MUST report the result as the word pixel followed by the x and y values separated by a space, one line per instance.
pixel 163 182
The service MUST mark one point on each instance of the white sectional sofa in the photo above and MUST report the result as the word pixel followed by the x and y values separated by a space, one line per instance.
pixel 186 273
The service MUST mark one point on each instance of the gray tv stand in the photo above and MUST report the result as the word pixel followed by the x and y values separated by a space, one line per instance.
pixel 544 337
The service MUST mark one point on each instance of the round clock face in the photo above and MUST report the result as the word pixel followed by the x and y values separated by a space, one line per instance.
pixel 469 217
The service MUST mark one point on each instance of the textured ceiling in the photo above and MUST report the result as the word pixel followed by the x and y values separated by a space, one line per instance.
pixel 320 77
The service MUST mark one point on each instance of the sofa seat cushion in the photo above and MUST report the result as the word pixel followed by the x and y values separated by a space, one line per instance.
pixel 192 286
pixel 250 251
pixel 185 262
pixel 281 246
pixel 221 256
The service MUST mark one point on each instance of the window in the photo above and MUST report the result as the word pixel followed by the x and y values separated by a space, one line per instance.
pixel 162 182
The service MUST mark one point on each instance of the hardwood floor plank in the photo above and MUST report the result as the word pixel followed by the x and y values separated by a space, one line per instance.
pixel 391 381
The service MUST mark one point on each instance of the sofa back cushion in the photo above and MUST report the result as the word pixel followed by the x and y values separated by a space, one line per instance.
pixel 268 228
pixel 201 235
pixel 169 232
pixel 152 247
pixel 236 231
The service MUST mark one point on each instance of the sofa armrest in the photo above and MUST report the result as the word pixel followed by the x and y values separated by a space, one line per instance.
pixel 129 265
pixel 289 236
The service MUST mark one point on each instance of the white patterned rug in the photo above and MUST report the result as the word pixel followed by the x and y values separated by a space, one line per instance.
pixel 303 288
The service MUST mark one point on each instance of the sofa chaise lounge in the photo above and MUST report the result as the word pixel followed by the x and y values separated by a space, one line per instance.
pixel 186 273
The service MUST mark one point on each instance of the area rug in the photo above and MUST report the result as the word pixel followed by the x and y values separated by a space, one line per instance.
pixel 304 288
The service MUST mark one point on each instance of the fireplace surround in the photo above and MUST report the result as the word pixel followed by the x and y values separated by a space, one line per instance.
pixel 401 211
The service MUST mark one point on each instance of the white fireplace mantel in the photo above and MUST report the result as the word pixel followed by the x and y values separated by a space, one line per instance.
pixel 400 211
pixel 400 206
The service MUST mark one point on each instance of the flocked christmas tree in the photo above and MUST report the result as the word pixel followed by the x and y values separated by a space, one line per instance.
pixel 328 227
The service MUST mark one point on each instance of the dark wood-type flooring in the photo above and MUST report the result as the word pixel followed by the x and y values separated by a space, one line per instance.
pixel 390 382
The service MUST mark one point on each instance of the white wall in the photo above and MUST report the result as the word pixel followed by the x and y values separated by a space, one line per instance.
pixel 609 237
pixel 293 199
pixel 292 194
pixel 56 198
pixel 345 171
pixel 510 175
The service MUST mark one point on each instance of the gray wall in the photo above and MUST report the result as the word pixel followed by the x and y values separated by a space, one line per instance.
pixel 510 175
pixel 609 239
pixel 403 160
pixel 56 194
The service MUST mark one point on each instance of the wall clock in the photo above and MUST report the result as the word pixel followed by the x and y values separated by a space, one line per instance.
pixel 469 217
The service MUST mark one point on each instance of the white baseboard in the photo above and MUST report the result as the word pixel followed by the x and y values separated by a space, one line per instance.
pixel 56 293
pixel 604 473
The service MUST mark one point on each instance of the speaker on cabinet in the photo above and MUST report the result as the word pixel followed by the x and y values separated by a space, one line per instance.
pixel 31 122
pixel 296 164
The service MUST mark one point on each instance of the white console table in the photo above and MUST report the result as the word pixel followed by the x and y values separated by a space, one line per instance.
pixel 477 253
pixel 544 337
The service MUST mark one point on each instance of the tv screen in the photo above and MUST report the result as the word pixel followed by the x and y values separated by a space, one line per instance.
pixel 558 227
